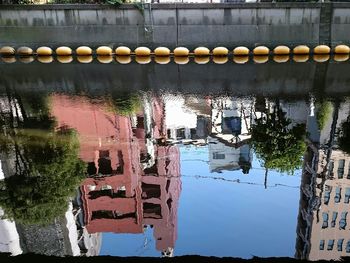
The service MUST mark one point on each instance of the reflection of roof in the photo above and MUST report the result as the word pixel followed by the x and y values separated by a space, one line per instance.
pixel 229 167
pixel 230 144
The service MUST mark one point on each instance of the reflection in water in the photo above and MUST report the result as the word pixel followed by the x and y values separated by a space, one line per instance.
pixel 74 167
pixel 133 179
pixel 322 231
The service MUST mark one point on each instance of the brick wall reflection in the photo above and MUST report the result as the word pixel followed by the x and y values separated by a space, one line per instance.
pixel 133 177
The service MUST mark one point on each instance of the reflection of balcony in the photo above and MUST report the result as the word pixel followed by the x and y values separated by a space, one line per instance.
pixel 152 211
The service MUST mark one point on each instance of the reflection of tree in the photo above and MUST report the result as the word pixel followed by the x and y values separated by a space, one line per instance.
pixel 124 103
pixel 46 170
pixel 276 142
pixel 323 113
pixel 344 136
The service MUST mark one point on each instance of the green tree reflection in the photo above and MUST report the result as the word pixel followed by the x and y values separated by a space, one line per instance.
pixel 324 113
pixel 278 143
pixel 45 168
pixel 124 103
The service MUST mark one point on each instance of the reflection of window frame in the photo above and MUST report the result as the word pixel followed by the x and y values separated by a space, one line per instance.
pixel 334 218
pixel 341 165
pixel 218 156
pixel 340 244
pixel 337 196
pixel 342 221
pixel 180 133
pixel 325 220
pixel 151 210
pixel 321 247
pixel 347 195
pixel 330 244
pixel 327 194
pixel 225 129
pixel 348 246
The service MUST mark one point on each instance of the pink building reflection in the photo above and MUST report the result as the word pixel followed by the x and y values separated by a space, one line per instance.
pixel 133 176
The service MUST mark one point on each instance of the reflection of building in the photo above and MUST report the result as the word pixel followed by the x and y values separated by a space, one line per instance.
pixel 181 121
pixel 133 175
pixel 330 234
pixel 230 123
pixel 322 231
pixel 9 238
pixel 60 238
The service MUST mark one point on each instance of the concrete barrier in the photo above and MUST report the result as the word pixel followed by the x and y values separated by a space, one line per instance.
pixel 173 25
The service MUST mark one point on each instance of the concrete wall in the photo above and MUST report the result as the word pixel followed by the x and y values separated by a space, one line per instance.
pixel 173 25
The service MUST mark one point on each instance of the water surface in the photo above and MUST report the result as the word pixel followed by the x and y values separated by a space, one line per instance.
pixel 168 160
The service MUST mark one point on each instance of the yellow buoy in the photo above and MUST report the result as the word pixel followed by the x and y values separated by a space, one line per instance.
pixel 181 60
pixel 84 59
pixel 301 58
pixel 162 60
pixel 142 51
pixel 7 51
pixel 220 51
pixel 322 49
pixel 321 58
pixel 63 51
pixel 280 58
pixel 26 59
pixel 162 51
pixel 301 50
pixel 281 50
pixel 105 59
pixel 104 51
pixel 122 51
pixel 342 49
pixel 83 51
pixel 341 57
pixel 25 51
pixel 64 59
pixel 260 59
pixel 241 59
pixel 261 51
pixel 220 59
pixel 143 59
pixel 9 59
pixel 44 51
pixel 202 51
pixel 201 59
pixel 123 59
pixel 45 59
pixel 181 52
pixel 241 51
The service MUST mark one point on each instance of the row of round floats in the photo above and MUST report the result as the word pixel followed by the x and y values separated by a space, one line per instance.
pixel 181 55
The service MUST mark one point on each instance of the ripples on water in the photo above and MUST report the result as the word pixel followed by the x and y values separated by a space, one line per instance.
pixel 210 159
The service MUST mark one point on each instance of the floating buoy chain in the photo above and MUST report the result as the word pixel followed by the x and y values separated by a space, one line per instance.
pixel 181 54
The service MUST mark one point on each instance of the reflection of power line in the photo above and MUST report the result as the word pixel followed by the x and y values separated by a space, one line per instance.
pixel 236 181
